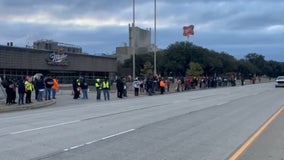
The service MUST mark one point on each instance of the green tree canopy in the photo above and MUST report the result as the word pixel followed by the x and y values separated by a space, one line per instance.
pixel 177 59
pixel 194 70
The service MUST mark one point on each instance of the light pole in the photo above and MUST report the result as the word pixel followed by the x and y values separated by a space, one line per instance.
pixel 132 41
pixel 155 40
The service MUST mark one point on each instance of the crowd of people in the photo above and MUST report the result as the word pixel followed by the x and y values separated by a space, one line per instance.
pixel 43 87
pixel 158 84
pixel 46 87
pixel 80 86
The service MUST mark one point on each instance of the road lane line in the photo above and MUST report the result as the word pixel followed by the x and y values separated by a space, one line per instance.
pixel 44 127
pixel 94 141
pixel 74 147
pixel 241 150
pixel 117 134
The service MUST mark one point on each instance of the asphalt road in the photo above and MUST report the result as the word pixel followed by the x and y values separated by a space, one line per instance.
pixel 199 125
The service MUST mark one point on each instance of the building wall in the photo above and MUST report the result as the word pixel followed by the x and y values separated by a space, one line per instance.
pixel 23 58
pixel 56 46
pixel 20 59
pixel 123 53
pixel 141 39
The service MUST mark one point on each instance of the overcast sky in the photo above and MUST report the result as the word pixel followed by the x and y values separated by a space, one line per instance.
pixel 236 27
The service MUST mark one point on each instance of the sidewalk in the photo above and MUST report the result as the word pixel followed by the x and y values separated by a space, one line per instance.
pixel 67 91
pixel 16 107
pixel 60 94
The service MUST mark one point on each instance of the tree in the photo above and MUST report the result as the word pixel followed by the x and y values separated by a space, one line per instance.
pixel 246 68
pixel 148 69
pixel 194 70
pixel 229 63
pixel 258 61
pixel 176 60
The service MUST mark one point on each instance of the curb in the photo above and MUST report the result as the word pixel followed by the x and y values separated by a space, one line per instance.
pixel 16 107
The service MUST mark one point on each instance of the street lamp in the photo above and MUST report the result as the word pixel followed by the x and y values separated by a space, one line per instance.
pixel 132 41
pixel 155 40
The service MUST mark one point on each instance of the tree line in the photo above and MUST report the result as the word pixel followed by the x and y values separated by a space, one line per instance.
pixel 186 59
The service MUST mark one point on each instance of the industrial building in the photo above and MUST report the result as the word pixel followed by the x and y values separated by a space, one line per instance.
pixel 17 62
pixel 67 61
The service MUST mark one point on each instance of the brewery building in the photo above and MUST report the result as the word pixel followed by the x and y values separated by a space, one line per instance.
pixel 47 57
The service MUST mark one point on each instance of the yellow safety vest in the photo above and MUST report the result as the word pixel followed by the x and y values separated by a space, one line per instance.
pixel 105 85
pixel 98 84
pixel 29 86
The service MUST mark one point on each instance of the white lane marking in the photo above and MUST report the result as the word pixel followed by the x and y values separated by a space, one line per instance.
pixel 94 141
pixel 74 147
pixel 120 133
pixel 44 127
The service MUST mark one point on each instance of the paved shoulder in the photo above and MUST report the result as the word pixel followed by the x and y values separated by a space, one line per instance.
pixel 269 144
pixel 16 107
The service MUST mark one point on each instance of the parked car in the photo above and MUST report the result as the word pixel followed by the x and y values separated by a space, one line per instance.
pixel 279 81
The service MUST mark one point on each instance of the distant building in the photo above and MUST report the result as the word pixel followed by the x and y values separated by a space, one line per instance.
pixel 123 53
pixel 141 39
pixel 57 46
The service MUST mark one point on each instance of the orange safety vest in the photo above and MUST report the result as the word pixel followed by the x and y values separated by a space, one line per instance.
pixel 162 83
pixel 55 84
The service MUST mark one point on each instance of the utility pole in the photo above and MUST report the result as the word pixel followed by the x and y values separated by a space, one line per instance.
pixel 155 40
pixel 132 41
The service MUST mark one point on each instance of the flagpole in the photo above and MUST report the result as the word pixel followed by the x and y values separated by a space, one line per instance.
pixel 155 40
pixel 132 41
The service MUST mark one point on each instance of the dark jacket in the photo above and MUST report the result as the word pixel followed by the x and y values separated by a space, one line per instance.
pixel 119 84
pixel 48 82
pixel 21 87
pixel 40 84
pixel 84 84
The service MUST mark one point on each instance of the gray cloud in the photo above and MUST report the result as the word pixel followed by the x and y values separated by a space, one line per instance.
pixel 236 27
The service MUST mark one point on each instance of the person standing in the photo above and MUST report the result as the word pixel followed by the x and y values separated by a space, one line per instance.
pixel 8 85
pixel 48 85
pixel 142 82
pixel 106 88
pixel 168 82
pixel 98 86
pixel 119 87
pixel 162 85
pixel 125 87
pixel 84 87
pixel 40 86
pixel 76 89
pixel 54 87
pixel 29 88
pixel 149 86
pixel 136 85
pixel 14 92
pixel 21 92
pixel 35 81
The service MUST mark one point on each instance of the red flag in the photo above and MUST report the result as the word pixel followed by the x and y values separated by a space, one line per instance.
pixel 188 30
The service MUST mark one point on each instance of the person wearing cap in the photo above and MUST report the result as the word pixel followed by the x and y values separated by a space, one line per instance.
pixel 136 85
